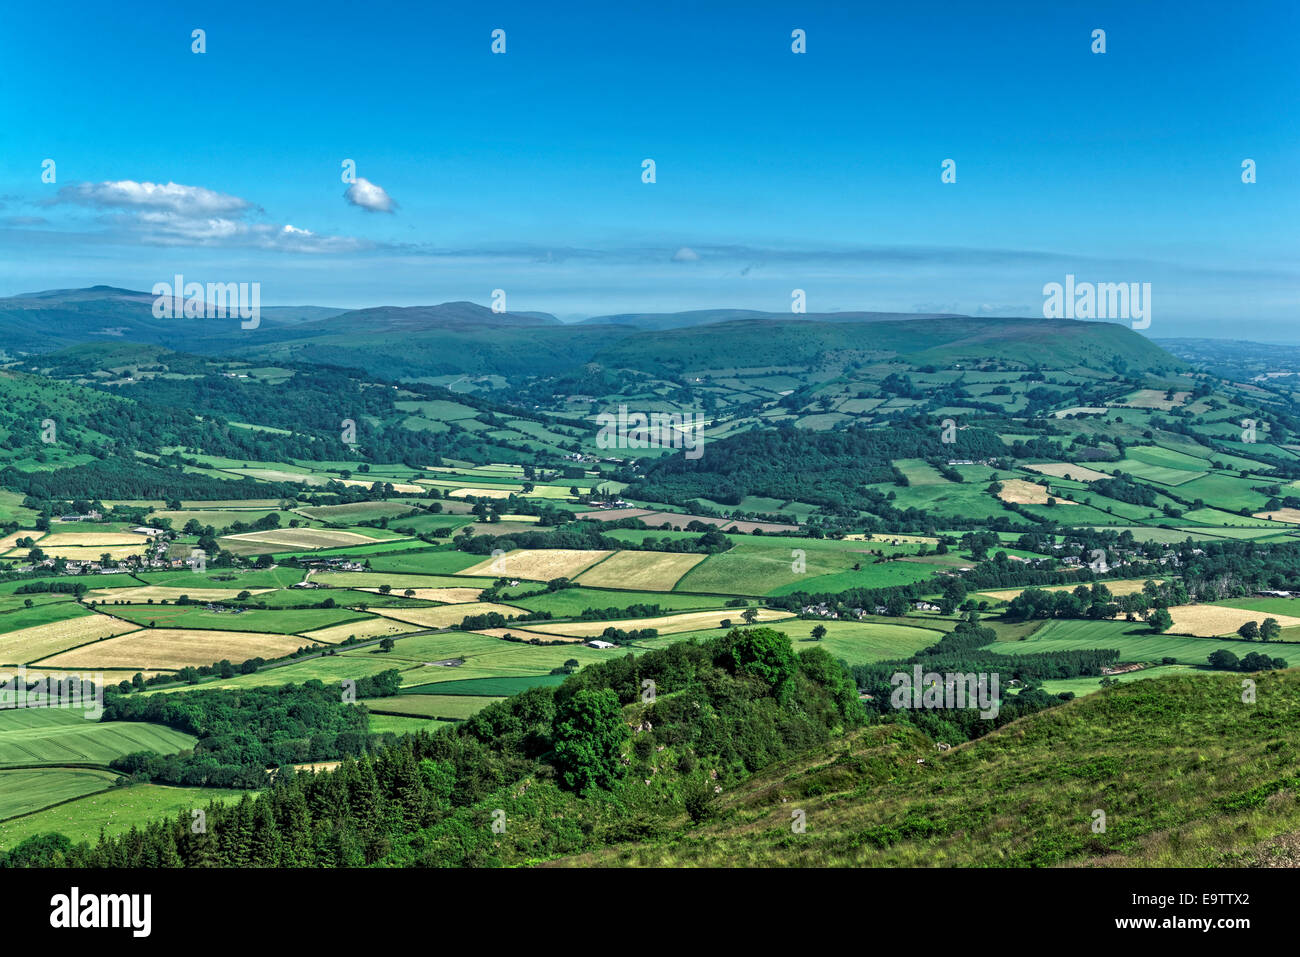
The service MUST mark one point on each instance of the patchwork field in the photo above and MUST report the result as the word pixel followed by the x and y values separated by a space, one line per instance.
pixel 62 736
pixel 1021 492
pixel 1210 621
pixel 666 624
pixel 445 616
pixel 1289 515
pixel 524 633
pixel 301 538
pixel 541 564
pixel 92 539
pixel 649 571
pixel 1125 586
pixel 286 621
pixel 778 566
pixel 361 630
pixel 449 596
pixel 30 789
pixel 26 645
pixel 91 553
pixel 113 811
pixel 1135 642
pixel 160 593
pixel 168 649
pixel 1065 470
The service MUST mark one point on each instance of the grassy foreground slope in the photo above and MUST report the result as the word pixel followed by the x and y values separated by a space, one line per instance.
pixel 1186 773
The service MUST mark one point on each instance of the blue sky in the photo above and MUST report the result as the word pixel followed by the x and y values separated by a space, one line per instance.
pixel 775 171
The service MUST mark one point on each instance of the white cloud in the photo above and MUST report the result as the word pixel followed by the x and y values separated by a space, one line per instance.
pixel 174 198
pixel 369 196
pixel 686 255
pixel 173 214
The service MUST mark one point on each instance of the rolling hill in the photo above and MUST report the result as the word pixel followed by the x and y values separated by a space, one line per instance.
pixel 1186 775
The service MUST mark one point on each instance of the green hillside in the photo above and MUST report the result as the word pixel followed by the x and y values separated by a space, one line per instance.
pixel 1187 775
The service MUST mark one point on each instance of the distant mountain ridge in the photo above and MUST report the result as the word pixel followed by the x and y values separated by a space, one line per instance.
pixel 700 317
pixel 464 338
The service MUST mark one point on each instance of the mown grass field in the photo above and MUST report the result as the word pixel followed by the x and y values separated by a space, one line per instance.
pixel 282 621
pixel 114 811
pixel 1134 641
pixel 453 707
pixel 30 789
pixel 65 736
pixel 776 566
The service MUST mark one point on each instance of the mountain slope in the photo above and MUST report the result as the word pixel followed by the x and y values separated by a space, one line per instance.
pixel 56 318
pixel 1186 774
pixel 700 317
pixel 759 343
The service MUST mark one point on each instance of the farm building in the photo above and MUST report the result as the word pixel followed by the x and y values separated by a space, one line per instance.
pixel 597 643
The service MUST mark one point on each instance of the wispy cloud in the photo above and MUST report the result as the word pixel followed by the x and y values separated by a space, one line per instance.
pixel 174 198
pixel 175 214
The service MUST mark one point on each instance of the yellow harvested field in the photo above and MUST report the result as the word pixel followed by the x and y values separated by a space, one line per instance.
pixel 1153 399
pixel 640 571
pixel 538 564
pixel 1079 473
pixel 444 616
pixel 1289 515
pixel 525 633
pixel 89 553
pixel 1211 621
pixel 397 486
pixel 448 596
pixel 92 539
pixel 112 675
pixel 369 628
pixel 1020 492
pixel 483 492
pixel 11 541
pixel 41 641
pixel 172 648
pixel 303 537
pixel 521 518
pixel 161 593
pixel 399 581
pixel 1126 586
pixel 666 624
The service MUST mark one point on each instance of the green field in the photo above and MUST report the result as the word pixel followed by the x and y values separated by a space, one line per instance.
pixel 287 621
pixel 767 566
pixel 445 707
pixel 30 789
pixel 56 736
pixel 492 687
pixel 569 602
pixel 1134 641
pixel 113 812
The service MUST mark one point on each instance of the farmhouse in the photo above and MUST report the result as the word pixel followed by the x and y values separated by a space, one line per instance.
pixel 91 516
pixel 925 606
